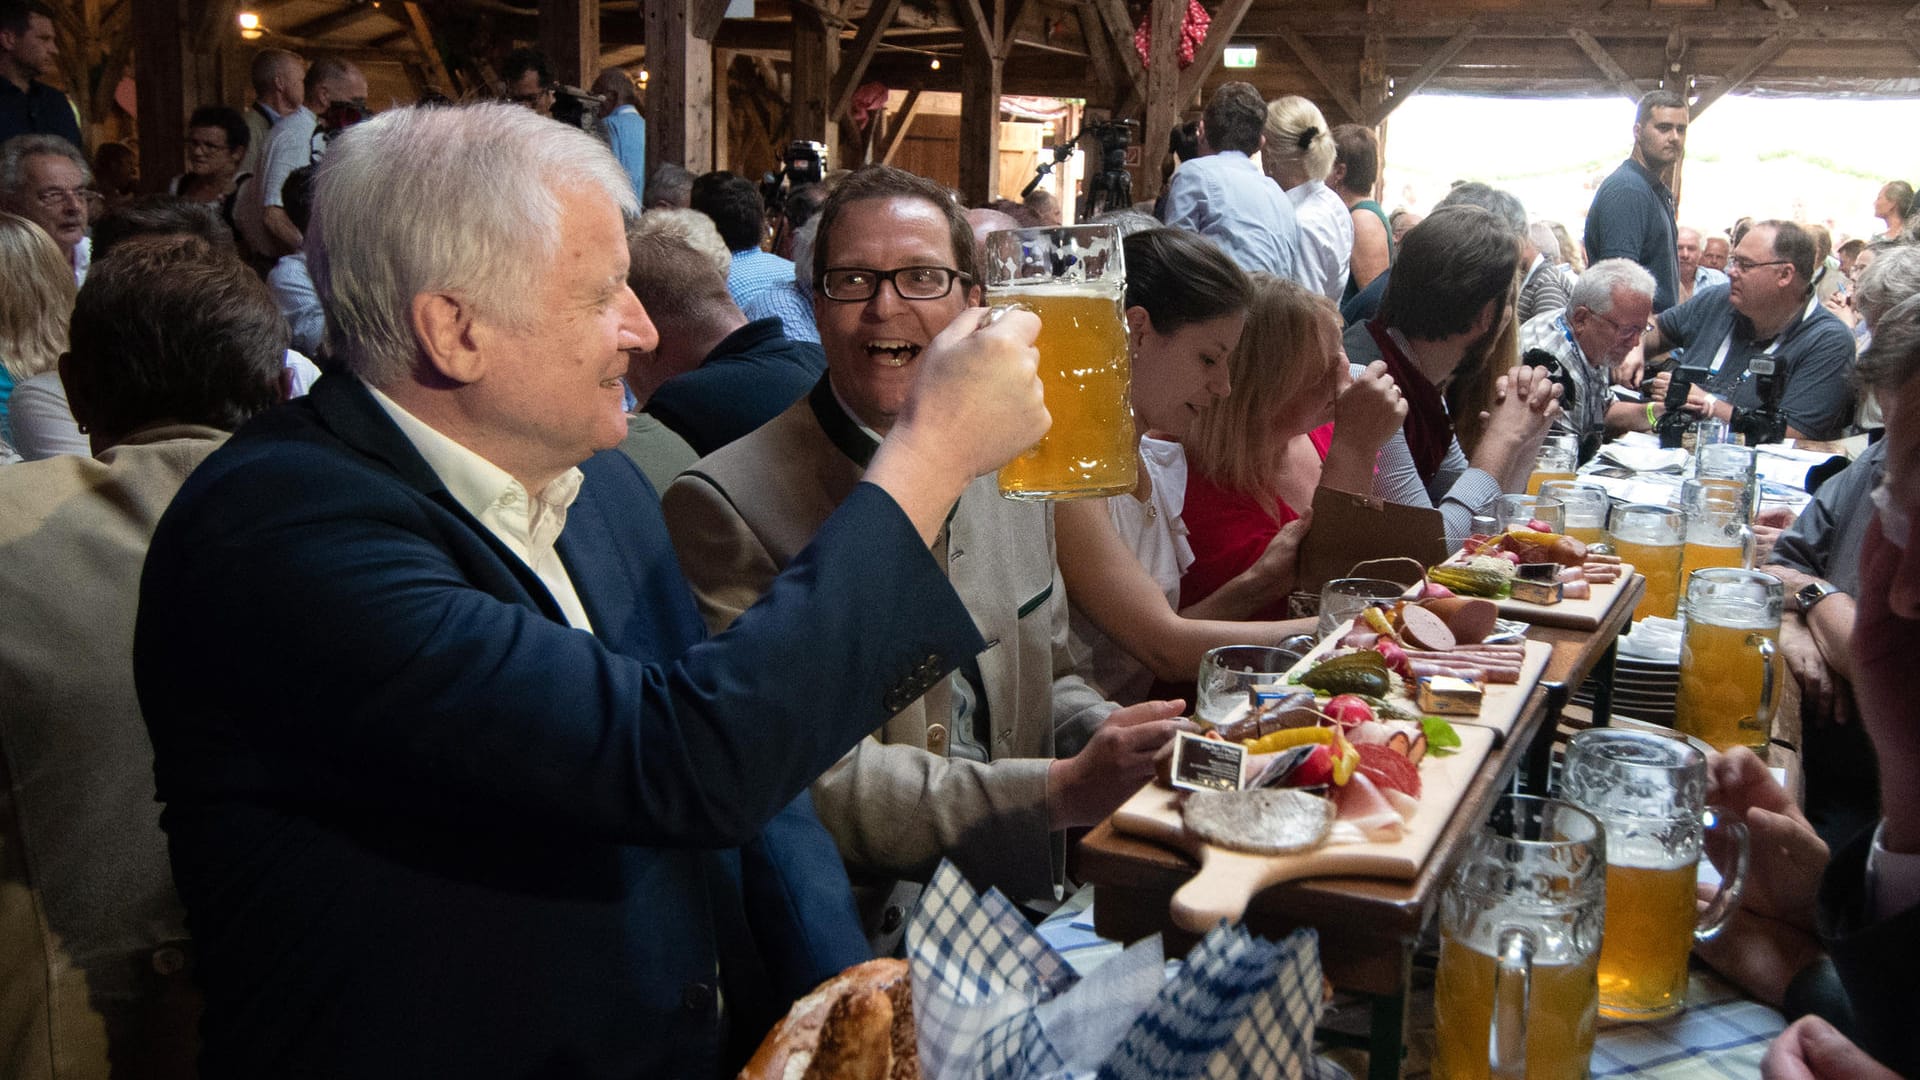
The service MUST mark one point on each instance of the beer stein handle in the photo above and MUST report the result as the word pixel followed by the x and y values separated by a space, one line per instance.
pixel 1720 912
pixel 1764 714
pixel 1512 986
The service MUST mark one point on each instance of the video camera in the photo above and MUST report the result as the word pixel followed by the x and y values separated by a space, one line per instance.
pixel 805 162
pixel 575 107
pixel 1673 424
pixel 1111 187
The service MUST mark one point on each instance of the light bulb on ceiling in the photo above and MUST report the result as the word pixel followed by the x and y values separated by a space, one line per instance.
pixel 936 64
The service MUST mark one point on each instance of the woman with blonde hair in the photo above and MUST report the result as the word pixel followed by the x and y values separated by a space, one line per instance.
pixel 1297 420
pixel 36 300
pixel 1298 155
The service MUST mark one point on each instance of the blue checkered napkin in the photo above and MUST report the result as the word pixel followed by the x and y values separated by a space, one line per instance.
pixel 1240 1007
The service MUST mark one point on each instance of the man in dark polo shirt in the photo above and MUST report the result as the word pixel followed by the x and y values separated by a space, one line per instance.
pixel 1767 308
pixel 27 48
pixel 1632 213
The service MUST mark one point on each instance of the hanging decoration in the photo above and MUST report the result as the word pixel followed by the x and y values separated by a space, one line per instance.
pixel 1193 31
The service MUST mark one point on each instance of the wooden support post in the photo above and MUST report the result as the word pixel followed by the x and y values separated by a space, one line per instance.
pixel 816 53
pixel 679 88
pixel 853 65
pixel 1163 89
pixel 897 133
pixel 570 36
pixel 1762 55
pixel 160 67
pixel 980 72
pixel 1113 20
pixel 1608 66
pixel 1220 31
pixel 1373 77
pixel 1309 59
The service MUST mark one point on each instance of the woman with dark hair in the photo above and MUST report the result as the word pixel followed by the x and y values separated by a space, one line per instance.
pixel 1892 206
pixel 1356 167
pixel 1257 457
pixel 217 139
pixel 1122 557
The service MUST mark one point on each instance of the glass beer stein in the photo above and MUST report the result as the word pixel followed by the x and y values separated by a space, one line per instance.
pixel 1514 512
pixel 1726 658
pixel 1728 465
pixel 1075 280
pixel 1559 457
pixel 1649 791
pixel 1520 924
pixel 1584 506
pixel 1717 532
pixel 1653 539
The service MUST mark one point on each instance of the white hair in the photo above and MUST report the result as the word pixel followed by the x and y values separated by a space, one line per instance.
pixel 1890 278
pixel 804 238
pixel 461 200
pixel 690 227
pixel 1540 234
pixel 1594 289
pixel 1298 133
pixel 15 152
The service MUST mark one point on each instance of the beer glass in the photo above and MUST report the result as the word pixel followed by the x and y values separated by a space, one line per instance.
pixel 1345 598
pixel 1559 457
pixel 1649 791
pixel 1717 533
pixel 1726 658
pixel 1515 511
pixel 1729 464
pixel 1230 674
pixel 1520 924
pixel 1652 538
pixel 1075 280
pixel 1584 506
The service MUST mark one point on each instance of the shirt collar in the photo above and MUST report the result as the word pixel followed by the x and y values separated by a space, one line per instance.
pixel 484 489
pixel 843 428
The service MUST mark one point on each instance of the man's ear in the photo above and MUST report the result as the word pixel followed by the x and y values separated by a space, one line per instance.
pixel 976 296
pixel 449 337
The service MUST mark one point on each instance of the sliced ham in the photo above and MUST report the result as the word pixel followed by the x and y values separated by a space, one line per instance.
pixel 1361 805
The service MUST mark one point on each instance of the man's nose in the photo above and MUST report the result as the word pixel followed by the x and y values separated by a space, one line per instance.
pixel 637 332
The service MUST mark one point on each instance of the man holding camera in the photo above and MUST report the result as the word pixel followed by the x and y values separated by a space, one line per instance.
pixel 1761 346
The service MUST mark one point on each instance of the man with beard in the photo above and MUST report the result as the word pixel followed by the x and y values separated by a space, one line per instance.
pixel 1445 302
pixel 1632 213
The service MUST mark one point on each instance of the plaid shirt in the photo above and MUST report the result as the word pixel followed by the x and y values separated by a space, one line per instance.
pixel 1584 407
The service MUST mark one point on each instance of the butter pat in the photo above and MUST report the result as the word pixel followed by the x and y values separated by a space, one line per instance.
pixel 1448 695
pixel 1537 592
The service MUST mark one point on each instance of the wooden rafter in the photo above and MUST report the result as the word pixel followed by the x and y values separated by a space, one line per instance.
pixel 1781 8
pixel 1424 74
pixel 323 25
pixel 1762 55
pixel 706 18
pixel 1226 20
pixel 896 134
pixel 1098 54
pixel 854 61
pixel 1604 60
pixel 430 60
pixel 1112 15
pixel 1310 60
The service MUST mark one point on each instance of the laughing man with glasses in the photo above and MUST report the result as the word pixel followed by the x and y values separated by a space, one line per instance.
pixel 1766 308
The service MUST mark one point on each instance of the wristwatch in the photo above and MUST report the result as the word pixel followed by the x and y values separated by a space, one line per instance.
pixel 1812 593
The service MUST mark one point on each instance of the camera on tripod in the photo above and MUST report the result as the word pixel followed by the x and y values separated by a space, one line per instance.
pixel 805 162
pixel 1111 188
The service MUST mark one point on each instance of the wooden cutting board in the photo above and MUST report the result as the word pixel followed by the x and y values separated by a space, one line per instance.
pixel 1500 705
pixel 1585 614
pixel 1228 880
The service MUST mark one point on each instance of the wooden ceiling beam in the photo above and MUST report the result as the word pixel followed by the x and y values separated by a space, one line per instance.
pixel 1226 21
pixel 1099 56
pixel 435 67
pixel 337 20
pixel 1606 63
pixel 1112 16
pixel 891 139
pixel 1311 61
pixel 1762 55
pixel 854 61
pixel 1424 74
pixel 1837 25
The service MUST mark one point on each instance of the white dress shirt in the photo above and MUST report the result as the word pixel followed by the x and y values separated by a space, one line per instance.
pixel 1326 238
pixel 529 527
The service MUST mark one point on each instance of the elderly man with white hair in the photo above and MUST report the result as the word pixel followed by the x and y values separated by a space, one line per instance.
pixel 453 784
pixel 1581 343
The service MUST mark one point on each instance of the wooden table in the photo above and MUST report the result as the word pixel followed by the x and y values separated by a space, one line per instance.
pixel 1368 927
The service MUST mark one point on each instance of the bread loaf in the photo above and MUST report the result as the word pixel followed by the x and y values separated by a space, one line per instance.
pixel 857 1025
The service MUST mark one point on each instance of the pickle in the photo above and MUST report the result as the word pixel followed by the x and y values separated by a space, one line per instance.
pixel 1469 581
pixel 1364 672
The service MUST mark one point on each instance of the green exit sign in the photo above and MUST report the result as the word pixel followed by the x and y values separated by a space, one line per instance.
pixel 1242 56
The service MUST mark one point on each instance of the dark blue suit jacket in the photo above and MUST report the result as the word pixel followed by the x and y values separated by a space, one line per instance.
pixel 748 379
pixel 423 828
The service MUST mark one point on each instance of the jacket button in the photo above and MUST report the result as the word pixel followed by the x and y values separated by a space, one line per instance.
pixel 937 738
pixel 890 919
pixel 698 998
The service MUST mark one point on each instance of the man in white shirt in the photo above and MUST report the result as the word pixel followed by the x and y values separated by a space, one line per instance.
pixel 260 212
pixel 278 85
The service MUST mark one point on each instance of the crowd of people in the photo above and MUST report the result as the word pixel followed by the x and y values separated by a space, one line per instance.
pixel 602 651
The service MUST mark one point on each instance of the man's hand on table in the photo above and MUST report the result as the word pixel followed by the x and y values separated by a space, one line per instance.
pixel 1699 402
pixel 1825 693
pixel 1768 524
pixel 1085 788
pixel 1813 1049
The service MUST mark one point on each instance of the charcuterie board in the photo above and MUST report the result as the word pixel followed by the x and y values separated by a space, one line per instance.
pixel 1585 614
pixel 1501 704
pixel 1228 880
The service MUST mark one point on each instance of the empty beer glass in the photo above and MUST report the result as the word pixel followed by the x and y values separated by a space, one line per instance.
pixel 1520 924
pixel 1584 506
pixel 1728 464
pixel 1345 598
pixel 1649 791
pixel 1519 511
pixel 1653 539
pixel 1727 674
pixel 1075 280
pixel 1230 675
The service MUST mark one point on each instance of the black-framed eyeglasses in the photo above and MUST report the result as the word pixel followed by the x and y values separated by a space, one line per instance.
pixel 527 99
pixel 853 284
pixel 1621 331
pixel 1746 265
